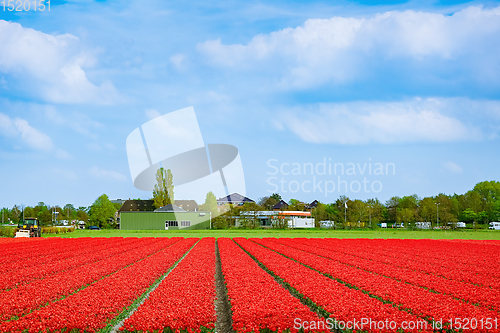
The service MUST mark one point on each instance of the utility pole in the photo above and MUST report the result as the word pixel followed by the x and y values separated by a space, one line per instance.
pixel 437 213
pixel 345 214
pixel 370 216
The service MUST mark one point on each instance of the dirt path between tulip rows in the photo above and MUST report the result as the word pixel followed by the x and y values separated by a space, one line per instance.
pixel 224 322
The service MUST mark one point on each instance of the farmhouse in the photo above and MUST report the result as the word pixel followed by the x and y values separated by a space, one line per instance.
pixel 281 205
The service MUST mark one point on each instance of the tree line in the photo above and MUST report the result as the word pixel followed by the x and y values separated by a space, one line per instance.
pixel 478 206
pixel 101 213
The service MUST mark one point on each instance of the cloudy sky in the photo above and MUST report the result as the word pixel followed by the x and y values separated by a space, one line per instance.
pixel 403 96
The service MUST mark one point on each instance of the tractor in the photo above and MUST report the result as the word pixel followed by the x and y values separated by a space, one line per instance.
pixel 30 227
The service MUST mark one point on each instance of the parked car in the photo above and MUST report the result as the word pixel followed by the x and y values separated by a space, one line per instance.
pixel 93 227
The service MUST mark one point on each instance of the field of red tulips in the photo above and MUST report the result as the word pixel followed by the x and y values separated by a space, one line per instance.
pixel 279 284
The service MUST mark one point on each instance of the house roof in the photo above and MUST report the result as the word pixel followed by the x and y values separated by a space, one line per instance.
pixel 280 204
pixel 313 204
pixel 148 205
pixel 137 206
pixel 170 208
pixel 234 198
pixel 294 213
pixel 188 205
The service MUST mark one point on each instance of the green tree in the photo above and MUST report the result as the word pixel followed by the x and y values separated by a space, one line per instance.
pixel 488 190
pixel 426 210
pixel 15 213
pixel 5 215
pixel 69 212
pixel 410 202
pixel 44 215
pixel 341 218
pixel 406 216
pixel 357 212
pixel 407 210
pixel 469 216
pixel 276 196
pixel 495 212
pixel 210 204
pixel 446 213
pixel 102 212
pixel 81 214
pixel 163 193
pixel 392 208
pixel 29 212
pixel 474 201
pixel 267 203
pixel 375 211
pixel 482 217
pixel 295 204
pixel 319 214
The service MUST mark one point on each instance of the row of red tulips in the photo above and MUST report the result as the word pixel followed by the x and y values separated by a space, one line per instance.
pixel 76 254
pixel 25 252
pixel 91 308
pixel 487 297
pixel 418 301
pixel 450 254
pixel 344 304
pixel 185 299
pixel 470 263
pixel 20 301
pixel 257 300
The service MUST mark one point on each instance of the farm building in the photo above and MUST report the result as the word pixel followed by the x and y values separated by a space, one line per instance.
pixel 169 217
pixel 292 219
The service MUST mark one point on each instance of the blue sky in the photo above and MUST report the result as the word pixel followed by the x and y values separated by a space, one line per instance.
pixel 411 84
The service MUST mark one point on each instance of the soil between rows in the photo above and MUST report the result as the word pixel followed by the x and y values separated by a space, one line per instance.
pixel 224 322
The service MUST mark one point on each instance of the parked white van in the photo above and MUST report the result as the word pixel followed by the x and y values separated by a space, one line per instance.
pixel 494 226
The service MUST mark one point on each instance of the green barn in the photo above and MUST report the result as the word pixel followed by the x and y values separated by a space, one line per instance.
pixel 169 217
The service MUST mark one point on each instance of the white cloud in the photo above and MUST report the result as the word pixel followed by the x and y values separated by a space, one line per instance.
pixel 106 174
pixel 342 49
pixel 379 122
pixel 50 67
pixel 18 128
pixel 452 167
pixel 79 122
pixel 7 127
pixel 31 136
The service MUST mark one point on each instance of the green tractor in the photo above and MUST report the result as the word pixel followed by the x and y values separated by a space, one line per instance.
pixel 30 227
